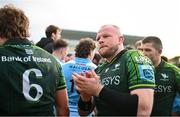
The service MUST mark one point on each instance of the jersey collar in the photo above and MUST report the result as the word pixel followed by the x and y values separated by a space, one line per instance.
pixel 18 41
pixel 161 64
pixel 118 55
pixel 82 59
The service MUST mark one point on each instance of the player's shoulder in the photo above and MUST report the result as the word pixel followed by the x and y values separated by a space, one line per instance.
pixel 133 52
pixel 43 55
pixel 71 62
pixel 171 66
pixel 68 64
pixel 137 57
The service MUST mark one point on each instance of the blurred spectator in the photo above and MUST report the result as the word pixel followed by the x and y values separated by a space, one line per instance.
pixel 175 60
pixel 138 44
pixel 165 58
pixel 60 50
pixel 97 58
pixel 52 33
pixel 68 57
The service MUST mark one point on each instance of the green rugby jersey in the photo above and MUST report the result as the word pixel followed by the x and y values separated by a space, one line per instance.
pixel 29 78
pixel 167 78
pixel 129 70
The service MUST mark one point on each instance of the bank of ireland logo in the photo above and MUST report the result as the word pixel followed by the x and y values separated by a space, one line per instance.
pixel 165 77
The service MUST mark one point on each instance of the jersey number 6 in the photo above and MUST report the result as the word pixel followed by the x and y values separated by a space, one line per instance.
pixel 27 86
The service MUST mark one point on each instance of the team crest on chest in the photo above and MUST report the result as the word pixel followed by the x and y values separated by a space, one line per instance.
pixel 116 67
pixel 107 69
pixel 165 77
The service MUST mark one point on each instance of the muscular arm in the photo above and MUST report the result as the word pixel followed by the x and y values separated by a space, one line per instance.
pixel 145 103
pixel 62 102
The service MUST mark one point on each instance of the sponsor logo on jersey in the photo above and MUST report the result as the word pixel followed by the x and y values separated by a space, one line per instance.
pixel 165 77
pixel 111 80
pixel 146 73
pixel 24 59
pixel 162 88
pixel 141 59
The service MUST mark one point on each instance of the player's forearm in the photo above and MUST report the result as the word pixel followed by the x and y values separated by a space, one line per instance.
pixel 63 111
pixel 124 104
pixel 145 103
pixel 61 99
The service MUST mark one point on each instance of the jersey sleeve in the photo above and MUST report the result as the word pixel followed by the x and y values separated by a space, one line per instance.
pixel 140 71
pixel 177 73
pixel 61 83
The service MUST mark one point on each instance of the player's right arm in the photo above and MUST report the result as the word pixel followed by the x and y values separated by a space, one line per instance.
pixel 61 95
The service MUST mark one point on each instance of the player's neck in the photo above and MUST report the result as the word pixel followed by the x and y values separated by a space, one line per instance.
pixel 115 54
pixel 2 40
pixel 157 62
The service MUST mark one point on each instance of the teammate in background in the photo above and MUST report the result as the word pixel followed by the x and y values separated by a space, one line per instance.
pixel 123 85
pixel 52 34
pixel 167 77
pixel 165 58
pixel 97 59
pixel 68 57
pixel 30 78
pixel 60 50
pixel 84 52
pixel 138 45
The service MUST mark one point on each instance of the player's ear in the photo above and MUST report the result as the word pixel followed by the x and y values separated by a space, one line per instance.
pixel 121 39
pixel 160 51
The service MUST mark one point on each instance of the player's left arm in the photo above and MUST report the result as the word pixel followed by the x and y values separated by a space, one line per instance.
pixel 177 73
pixel 145 103
pixel 141 82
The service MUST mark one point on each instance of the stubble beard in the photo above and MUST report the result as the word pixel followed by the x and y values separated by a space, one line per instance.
pixel 109 52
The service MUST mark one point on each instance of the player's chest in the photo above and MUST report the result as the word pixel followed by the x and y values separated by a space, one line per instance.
pixel 165 81
pixel 114 76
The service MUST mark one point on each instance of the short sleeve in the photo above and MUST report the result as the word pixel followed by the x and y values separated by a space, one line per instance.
pixel 177 73
pixel 60 81
pixel 140 70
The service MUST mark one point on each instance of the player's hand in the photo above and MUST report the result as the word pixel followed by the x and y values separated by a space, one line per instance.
pixel 87 83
